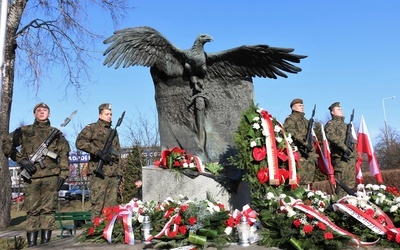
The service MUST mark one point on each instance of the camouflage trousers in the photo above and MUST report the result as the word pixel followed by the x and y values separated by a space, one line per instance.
pixel 103 193
pixel 306 170
pixel 346 172
pixel 41 202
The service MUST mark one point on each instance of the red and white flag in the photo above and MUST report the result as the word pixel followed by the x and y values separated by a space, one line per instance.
pixel 364 145
pixel 324 159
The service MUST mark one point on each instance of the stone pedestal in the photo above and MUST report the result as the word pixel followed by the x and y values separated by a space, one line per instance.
pixel 158 184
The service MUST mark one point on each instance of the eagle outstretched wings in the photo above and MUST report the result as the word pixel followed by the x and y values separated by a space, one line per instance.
pixel 145 46
pixel 199 96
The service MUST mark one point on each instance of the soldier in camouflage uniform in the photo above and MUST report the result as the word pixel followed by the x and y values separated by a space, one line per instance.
pixel 41 190
pixel 103 190
pixel 297 125
pixel 343 158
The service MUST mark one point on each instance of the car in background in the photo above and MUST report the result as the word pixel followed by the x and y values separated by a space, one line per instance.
pixel 63 190
pixel 75 193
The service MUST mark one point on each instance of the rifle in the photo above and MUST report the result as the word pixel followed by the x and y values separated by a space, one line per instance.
pixel 108 150
pixel 349 141
pixel 43 151
pixel 309 136
pixel 345 187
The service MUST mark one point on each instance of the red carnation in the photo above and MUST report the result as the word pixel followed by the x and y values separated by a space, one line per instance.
pixel 192 220
pixel 297 223
pixel 321 226
pixel 182 229
pixel 184 207
pixel 308 229
pixel 328 235
pixel 96 221
pixel 178 220
pixel 172 233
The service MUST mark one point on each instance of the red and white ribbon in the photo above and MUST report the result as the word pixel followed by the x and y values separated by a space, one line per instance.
pixel 126 215
pixel 346 204
pixel 165 229
pixel 291 159
pixel 298 204
pixel 199 164
pixel 270 144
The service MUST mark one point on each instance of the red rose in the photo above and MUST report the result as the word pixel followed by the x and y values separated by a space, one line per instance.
pixel 259 153
pixel 308 229
pixel 262 175
pixel 221 206
pixel 182 229
pixel 296 223
pixel 91 231
pixel 192 221
pixel 177 164
pixel 328 235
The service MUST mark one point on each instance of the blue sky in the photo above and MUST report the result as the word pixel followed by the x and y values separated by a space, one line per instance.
pixel 352 47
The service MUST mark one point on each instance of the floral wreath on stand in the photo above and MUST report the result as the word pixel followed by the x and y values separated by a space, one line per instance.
pixel 290 216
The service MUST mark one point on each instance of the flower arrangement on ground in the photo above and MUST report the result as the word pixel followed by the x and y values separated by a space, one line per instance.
pixel 177 159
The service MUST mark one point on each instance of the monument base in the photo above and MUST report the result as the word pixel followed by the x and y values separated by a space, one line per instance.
pixel 159 184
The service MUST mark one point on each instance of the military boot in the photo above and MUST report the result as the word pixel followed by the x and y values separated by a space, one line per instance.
pixel 32 238
pixel 45 236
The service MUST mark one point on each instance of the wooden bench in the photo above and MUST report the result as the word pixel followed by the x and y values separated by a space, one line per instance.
pixel 71 216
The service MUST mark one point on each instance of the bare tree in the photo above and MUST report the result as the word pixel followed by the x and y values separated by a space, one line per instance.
pixel 42 35
pixel 386 151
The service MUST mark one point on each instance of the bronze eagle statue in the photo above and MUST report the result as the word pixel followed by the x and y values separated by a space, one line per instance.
pixel 145 46
pixel 195 89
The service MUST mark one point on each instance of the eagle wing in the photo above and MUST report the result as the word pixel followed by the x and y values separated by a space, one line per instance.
pixel 252 61
pixel 143 46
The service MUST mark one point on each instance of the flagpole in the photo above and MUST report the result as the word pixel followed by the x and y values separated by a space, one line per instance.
pixel 3 27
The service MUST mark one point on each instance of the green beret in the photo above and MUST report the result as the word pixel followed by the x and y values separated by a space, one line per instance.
pixel 105 106
pixel 295 101
pixel 41 105
pixel 335 104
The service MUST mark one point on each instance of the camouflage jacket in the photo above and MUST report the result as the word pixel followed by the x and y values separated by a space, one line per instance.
pixel 92 139
pixel 297 125
pixel 335 131
pixel 29 138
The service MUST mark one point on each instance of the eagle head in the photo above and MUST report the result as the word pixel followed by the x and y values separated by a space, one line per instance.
pixel 204 38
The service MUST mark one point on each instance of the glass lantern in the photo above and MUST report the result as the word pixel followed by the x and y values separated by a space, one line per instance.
pixel 146 229
pixel 244 232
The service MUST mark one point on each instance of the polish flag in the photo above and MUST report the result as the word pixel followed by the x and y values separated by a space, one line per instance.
pixel 364 145
pixel 324 159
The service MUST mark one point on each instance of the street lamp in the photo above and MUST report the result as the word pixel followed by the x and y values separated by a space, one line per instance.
pixel 384 116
